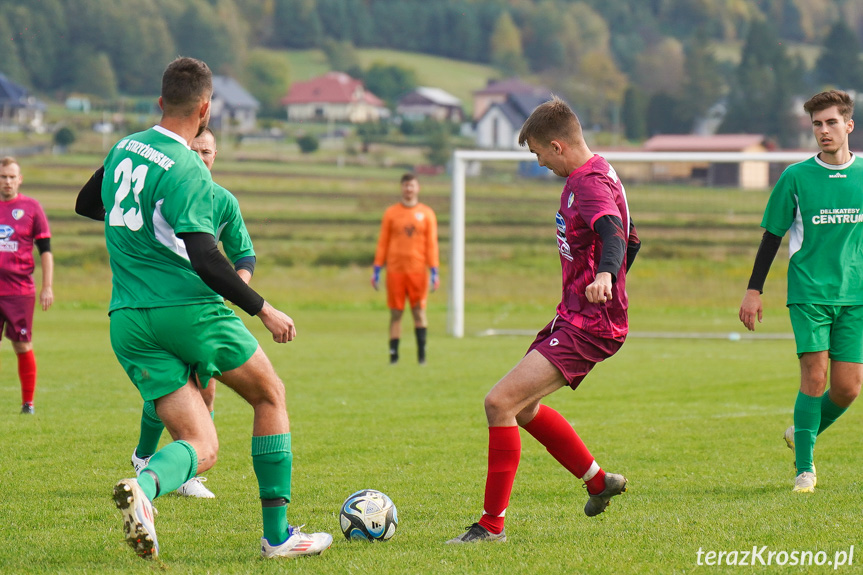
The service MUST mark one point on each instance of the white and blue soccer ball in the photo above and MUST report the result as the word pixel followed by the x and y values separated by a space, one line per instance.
pixel 368 515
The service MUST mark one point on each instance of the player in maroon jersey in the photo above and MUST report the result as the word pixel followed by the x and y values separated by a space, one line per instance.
pixel 22 224
pixel 597 244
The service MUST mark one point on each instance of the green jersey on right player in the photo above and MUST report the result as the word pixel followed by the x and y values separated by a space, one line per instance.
pixel 822 206
pixel 820 200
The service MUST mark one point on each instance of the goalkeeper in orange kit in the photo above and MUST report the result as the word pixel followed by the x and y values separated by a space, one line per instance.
pixel 408 248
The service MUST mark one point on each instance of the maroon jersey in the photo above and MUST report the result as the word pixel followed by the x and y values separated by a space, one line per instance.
pixel 591 192
pixel 22 222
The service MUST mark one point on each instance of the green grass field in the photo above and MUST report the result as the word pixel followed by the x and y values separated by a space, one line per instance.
pixel 695 424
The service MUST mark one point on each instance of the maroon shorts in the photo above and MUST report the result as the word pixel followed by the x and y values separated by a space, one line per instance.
pixel 16 314
pixel 571 350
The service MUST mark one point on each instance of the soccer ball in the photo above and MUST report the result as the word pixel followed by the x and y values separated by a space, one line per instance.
pixel 368 515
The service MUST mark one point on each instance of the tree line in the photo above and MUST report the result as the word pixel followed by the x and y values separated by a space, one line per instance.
pixel 647 66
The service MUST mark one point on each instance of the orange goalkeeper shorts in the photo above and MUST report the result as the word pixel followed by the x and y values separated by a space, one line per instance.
pixel 414 286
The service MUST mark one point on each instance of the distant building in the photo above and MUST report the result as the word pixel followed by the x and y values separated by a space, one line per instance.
pixel 501 122
pixel 232 106
pixel 430 103
pixel 19 109
pixel 498 91
pixel 335 96
pixel 749 175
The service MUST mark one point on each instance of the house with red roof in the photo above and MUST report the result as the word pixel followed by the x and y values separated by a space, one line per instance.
pixel 336 97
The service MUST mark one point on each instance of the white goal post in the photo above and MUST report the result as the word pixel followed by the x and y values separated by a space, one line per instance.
pixel 460 158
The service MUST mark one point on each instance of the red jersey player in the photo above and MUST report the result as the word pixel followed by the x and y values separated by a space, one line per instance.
pixel 597 244
pixel 22 224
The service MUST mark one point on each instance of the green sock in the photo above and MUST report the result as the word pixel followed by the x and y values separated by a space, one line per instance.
pixel 807 417
pixel 830 412
pixel 173 465
pixel 151 431
pixel 271 459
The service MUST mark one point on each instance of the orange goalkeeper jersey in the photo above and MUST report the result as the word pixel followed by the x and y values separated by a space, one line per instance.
pixel 408 240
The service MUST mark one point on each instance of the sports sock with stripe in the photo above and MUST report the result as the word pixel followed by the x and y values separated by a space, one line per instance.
pixel 169 468
pixel 830 412
pixel 27 375
pixel 272 460
pixel 504 453
pixel 807 419
pixel 151 431
pixel 558 437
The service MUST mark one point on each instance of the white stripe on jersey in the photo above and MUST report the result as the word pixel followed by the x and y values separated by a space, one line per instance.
pixel 165 233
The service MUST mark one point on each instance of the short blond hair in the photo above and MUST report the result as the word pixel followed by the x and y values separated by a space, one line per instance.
pixel 551 120
pixel 8 161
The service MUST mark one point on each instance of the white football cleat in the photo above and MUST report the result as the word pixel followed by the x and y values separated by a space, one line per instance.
pixel 297 544
pixel 195 488
pixel 138 518
pixel 804 483
pixel 139 463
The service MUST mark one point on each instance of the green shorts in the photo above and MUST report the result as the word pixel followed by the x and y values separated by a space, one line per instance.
pixel 834 328
pixel 160 347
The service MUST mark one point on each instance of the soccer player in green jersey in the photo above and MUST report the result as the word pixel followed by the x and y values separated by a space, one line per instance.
pixel 169 323
pixel 231 231
pixel 820 200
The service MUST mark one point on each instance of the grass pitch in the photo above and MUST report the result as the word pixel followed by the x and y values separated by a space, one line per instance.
pixel 695 425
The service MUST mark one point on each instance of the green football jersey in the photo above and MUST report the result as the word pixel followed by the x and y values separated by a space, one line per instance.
pixel 230 227
pixel 822 206
pixel 154 188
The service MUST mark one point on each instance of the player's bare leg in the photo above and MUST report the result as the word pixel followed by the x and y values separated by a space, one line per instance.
pixel 195 447
pixel 256 382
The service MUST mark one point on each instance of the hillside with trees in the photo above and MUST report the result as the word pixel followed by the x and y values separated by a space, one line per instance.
pixel 645 66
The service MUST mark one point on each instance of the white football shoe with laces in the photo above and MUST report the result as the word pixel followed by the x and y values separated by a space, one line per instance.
pixel 195 488
pixel 139 463
pixel 138 518
pixel 297 544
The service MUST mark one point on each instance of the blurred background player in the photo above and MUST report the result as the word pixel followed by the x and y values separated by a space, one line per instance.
pixel 819 200
pixel 170 326
pixel 408 247
pixel 597 244
pixel 22 224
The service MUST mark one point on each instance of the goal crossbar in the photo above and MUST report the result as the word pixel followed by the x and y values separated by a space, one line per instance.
pixel 460 158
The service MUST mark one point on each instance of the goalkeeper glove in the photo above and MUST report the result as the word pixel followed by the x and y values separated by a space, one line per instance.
pixel 435 279
pixel 376 277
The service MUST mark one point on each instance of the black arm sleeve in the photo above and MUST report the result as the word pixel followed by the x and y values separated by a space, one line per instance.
pixel 89 202
pixel 763 260
pixel 610 230
pixel 43 245
pixel 209 263
pixel 632 245
pixel 247 263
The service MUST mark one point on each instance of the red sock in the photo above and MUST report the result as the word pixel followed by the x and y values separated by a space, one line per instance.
pixel 552 430
pixel 27 375
pixel 504 452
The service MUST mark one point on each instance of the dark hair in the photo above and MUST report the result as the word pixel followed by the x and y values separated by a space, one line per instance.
pixel 824 100
pixel 185 83
pixel 552 120
pixel 408 177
